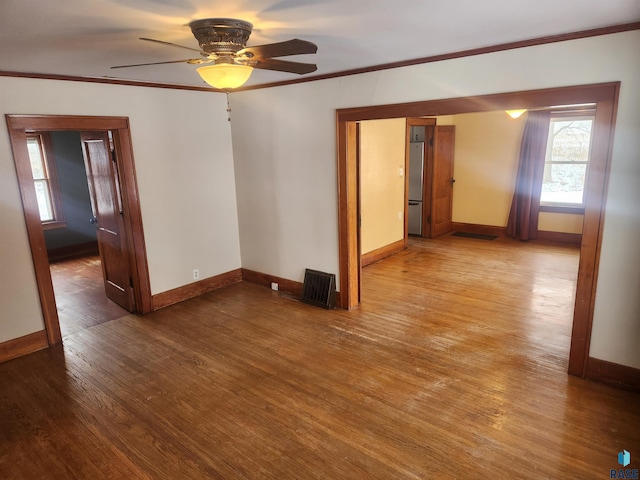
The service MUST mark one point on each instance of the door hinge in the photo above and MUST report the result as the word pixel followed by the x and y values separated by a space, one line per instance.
pixel 131 282
pixel 429 219
pixel 431 142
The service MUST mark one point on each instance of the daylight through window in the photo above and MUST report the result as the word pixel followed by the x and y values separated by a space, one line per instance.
pixel 44 180
pixel 567 160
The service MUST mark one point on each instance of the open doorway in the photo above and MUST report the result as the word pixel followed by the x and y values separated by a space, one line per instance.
pixel 472 280
pixel 604 97
pixel 111 180
pixel 68 215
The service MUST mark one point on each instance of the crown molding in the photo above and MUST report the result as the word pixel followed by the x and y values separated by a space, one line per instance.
pixel 594 32
pixel 105 80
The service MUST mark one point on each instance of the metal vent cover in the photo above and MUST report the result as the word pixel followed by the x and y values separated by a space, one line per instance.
pixel 319 289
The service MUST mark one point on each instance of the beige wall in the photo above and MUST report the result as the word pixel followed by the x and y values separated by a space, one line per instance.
pixel 560 222
pixel 485 166
pixel 184 165
pixel 382 155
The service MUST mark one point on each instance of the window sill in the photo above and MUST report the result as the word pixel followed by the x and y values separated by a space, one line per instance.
pixel 53 225
pixel 561 209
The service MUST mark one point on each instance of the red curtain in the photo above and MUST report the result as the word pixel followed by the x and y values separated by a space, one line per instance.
pixel 523 217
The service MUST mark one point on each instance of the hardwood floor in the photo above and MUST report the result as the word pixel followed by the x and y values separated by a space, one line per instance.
pixel 453 367
pixel 80 297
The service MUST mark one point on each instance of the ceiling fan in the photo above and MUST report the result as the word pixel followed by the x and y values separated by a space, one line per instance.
pixel 223 45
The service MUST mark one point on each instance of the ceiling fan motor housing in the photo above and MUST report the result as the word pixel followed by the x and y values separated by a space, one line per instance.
pixel 221 35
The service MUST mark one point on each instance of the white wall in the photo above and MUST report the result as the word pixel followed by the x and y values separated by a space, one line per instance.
pixel 284 142
pixel 184 164
pixel 286 180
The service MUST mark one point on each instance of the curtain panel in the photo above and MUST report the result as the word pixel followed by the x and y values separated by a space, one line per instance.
pixel 523 217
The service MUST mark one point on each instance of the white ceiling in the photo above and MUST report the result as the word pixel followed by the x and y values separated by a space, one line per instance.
pixel 86 37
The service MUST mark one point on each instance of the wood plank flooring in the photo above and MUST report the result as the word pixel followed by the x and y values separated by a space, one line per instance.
pixel 453 367
pixel 80 298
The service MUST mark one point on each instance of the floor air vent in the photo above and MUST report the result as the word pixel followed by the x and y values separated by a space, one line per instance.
pixel 319 288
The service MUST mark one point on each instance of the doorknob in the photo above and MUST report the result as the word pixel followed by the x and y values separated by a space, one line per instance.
pixel 93 220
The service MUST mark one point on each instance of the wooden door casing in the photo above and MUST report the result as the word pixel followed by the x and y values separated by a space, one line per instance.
pixel 18 125
pixel 604 96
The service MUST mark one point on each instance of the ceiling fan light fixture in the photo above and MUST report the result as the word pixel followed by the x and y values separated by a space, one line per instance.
pixel 515 113
pixel 225 76
pixel 223 47
pixel 221 35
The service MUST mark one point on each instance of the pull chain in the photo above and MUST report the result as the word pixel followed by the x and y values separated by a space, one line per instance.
pixel 228 107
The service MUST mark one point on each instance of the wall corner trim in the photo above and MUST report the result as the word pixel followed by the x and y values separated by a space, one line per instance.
pixel 284 284
pixel 613 374
pixel 265 280
pixel 383 252
pixel 478 228
pixel 191 290
pixel 23 345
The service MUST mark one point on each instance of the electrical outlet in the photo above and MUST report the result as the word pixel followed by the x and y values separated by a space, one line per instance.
pixel 401 171
pixel 196 274
pixel 399 215
pixel 274 286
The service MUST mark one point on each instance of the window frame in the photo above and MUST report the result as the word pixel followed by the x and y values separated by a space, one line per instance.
pixel 559 207
pixel 51 179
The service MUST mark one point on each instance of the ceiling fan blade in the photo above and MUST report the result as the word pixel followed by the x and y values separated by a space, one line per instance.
pixel 170 44
pixel 281 49
pixel 188 60
pixel 284 66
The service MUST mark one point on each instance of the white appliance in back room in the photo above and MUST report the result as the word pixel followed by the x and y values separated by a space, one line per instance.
pixel 416 176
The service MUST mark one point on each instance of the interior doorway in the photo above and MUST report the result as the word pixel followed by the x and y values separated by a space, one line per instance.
pixel 604 96
pixel 430 157
pixel 62 164
pixel 420 142
pixel 118 200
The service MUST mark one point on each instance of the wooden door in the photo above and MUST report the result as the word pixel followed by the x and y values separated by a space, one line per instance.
pixel 106 203
pixel 442 191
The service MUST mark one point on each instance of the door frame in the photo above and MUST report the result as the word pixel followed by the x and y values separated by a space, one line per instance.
pixel 18 125
pixel 604 96
pixel 429 125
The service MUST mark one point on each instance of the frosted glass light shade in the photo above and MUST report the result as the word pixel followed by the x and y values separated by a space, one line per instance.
pixel 225 75
pixel 515 113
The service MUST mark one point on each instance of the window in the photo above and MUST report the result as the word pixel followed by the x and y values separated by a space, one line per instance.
pixel 45 180
pixel 567 160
